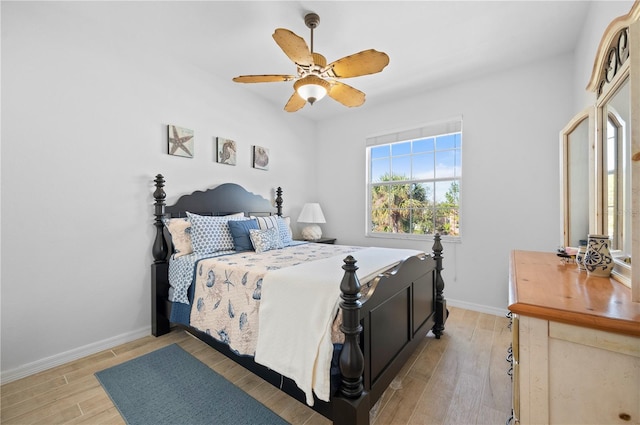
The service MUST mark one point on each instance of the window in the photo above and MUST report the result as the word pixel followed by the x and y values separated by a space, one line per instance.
pixel 413 181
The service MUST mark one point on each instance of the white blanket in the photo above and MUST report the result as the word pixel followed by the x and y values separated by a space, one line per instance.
pixel 297 309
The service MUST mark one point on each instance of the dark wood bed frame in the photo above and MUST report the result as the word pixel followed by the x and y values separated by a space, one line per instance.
pixel 381 332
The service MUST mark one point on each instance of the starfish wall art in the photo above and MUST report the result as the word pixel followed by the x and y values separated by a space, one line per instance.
pixel 180 141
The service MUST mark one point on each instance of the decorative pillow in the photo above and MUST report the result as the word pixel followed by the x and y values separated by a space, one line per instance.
pixel 180 230
pixel 283 224
pixel 267 222
pixel 210 234
pixel 236 215
pixel 240 233
pixel 265 240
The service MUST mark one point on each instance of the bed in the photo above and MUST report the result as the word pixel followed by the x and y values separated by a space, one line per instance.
pixel 382 320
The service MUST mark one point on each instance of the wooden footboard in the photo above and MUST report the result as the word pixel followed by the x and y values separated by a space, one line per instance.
pixel 381 331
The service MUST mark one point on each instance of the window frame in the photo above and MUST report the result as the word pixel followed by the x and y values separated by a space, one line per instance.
pixel 434 129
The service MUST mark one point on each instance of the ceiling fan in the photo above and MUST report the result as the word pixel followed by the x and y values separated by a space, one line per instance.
pixel 315 78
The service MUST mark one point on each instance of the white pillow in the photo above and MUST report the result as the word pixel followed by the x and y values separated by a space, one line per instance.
pixel 180 230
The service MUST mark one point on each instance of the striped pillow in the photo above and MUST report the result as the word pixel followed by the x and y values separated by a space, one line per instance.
pixel 282 224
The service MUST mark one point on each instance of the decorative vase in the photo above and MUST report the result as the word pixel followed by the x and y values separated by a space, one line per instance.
pixel 582 249
pixel 597 258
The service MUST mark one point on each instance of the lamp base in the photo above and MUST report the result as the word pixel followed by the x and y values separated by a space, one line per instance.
pixel 311 232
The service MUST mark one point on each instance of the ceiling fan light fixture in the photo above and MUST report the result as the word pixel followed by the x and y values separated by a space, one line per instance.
pixel 311 88
pixel 315 79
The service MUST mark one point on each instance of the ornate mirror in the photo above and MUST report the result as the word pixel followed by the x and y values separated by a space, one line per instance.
pixel 616 82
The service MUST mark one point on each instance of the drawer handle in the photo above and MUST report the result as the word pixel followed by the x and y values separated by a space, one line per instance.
pixel 510 419
pixel 625 416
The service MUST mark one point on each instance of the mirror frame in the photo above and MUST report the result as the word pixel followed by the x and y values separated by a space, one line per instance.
pixel 588 116
pixel 614 63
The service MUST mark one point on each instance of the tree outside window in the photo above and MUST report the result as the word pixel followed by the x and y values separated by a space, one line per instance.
pixel 414 186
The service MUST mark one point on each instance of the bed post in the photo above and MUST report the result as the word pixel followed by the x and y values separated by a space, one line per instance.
pixel 160 249
pixel 352 404
pixel 279 201
pixel 160 267
pixel 441 303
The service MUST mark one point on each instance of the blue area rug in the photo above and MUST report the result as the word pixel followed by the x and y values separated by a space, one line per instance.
pixel 170 386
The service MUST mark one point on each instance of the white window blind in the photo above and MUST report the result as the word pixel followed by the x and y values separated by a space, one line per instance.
pixel 452 125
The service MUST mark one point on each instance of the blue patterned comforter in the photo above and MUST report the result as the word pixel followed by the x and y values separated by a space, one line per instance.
pixel 227 289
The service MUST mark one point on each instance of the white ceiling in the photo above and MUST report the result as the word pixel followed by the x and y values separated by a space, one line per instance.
pixel 430 43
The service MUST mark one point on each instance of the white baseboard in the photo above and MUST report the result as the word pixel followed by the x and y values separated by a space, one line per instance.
pixel 71 355
pixel 477 307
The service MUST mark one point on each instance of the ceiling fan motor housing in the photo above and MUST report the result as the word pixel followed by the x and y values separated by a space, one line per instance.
pixel 312 20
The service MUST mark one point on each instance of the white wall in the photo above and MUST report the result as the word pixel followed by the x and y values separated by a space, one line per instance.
pixel 84 117
pixel 510 183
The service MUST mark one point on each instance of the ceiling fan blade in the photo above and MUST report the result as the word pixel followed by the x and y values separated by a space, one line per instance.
pixel 293 46
pixel 295 103
pixel 263 78
pixel 363 63
pixel 346 94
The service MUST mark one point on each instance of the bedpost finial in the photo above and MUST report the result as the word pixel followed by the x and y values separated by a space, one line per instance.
pixel 437 245
pixel 159 195
pixel 350 263
pixel 350 284
pixel 279 201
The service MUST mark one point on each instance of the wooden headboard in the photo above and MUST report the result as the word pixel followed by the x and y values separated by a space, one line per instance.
pixel 227 198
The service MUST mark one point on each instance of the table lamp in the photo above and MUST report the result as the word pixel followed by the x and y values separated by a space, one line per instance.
pixel 311 213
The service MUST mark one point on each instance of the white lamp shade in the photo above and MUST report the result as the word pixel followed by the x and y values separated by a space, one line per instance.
pixel 311 88
pixel 312 92
pixel 311 213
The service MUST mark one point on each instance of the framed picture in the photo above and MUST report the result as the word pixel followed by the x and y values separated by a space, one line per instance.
pixel 260 158
pixel 180 141
pixel 225 151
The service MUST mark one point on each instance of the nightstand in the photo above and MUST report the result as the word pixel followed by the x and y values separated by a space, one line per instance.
pixel 330 241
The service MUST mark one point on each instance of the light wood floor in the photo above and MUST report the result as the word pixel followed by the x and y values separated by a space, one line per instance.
pixel 458 379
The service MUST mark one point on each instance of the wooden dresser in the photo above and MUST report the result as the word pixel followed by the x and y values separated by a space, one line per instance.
pixel 576 344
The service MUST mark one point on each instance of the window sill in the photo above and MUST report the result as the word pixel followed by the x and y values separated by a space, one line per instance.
pixel 404 236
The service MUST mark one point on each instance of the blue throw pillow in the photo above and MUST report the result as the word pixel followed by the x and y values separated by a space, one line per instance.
pixel 240 233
